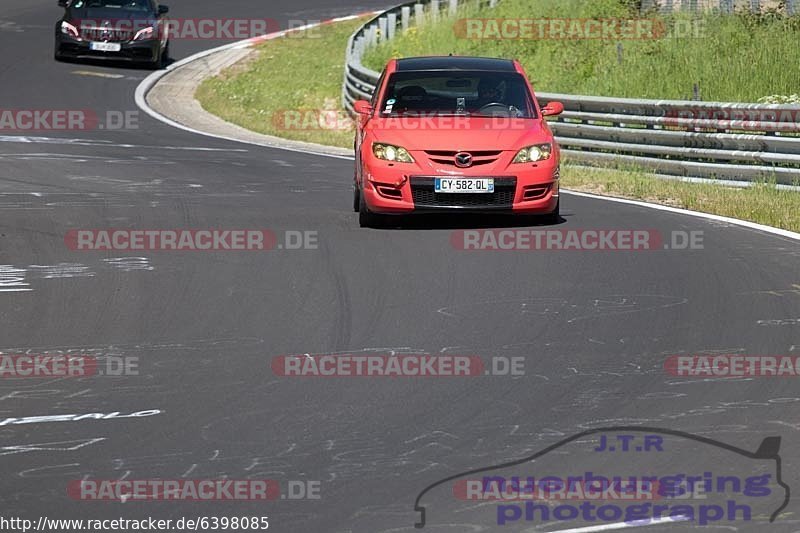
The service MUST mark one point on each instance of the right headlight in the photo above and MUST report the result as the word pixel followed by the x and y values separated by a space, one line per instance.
pixel 532 154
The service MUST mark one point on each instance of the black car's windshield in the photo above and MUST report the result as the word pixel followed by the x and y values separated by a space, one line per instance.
pixel 127 5
pixel 481 93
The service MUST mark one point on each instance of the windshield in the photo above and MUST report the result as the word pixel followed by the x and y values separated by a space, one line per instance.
pixel 479 93
pixel 127 5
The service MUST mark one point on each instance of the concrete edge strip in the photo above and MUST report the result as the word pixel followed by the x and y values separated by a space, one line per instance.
pixel 329 151
pixel 140 96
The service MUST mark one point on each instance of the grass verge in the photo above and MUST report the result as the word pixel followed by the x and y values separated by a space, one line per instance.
pixel 762 203
pixel 306 74
pixel 291 87
pixel 736 58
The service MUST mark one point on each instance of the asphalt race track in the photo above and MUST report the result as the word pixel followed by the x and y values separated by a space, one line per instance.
pixel 593 327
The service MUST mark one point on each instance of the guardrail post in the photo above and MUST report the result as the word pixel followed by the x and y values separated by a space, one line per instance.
pixel 405 17
pixel 434 10
pixel 492 3
pixel 791 8
pixel 382 29
pixel 419 14
pixel 726 6
pixel 453 8
pixel 392 17
pixel 668 7
pixel 359 47
pixel 372 35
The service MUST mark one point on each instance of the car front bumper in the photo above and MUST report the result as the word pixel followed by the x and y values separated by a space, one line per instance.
pixel 407 188
pixel 137 51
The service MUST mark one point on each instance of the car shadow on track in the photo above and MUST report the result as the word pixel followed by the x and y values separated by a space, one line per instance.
pixel 114 64
pixel 465 221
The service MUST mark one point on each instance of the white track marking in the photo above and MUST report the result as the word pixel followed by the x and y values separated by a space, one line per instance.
pixel 98 74
pixel 625 525
pixel 752 225
pixel 26 139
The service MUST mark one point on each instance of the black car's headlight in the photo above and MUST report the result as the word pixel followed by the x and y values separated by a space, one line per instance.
pixel 69 29
pixel 532 154
pixel 389 152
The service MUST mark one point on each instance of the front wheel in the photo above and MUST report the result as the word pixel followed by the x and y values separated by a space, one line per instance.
pixel 366 218
pixel 165 56
pixel 161 61
pixel 555 216
pixel 356 198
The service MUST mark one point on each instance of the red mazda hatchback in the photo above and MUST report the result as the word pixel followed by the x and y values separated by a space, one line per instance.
pixel 457 134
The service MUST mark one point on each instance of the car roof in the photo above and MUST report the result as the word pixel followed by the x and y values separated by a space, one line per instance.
pixel 455 63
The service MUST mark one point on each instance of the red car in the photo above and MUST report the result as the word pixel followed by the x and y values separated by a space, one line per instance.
pixel 458 134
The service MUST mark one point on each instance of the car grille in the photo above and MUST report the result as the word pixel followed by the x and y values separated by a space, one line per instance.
pixel 424 196
pixel 448 157
pixel 103 34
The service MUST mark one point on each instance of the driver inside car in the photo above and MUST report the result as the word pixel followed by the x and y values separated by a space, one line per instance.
pixel 489 92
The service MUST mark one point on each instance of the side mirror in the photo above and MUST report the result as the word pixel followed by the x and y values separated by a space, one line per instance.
pixel 163 10
pixel 552 109
pixel 362 107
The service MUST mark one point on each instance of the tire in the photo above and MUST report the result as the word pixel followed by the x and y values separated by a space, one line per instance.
pixel 555 216
pixel 366 218
pixel 165 56
pixel 356 198
pixel 161 62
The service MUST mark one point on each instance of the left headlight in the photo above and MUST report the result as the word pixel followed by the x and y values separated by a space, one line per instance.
pixel 389 152
pixel 144 34
pixel 532 154
pixel 69 29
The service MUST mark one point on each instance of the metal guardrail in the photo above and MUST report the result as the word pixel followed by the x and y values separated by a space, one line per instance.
pixel 732 141
pixel 724 6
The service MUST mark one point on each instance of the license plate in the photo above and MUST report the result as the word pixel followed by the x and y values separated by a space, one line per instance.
pixel 105 47
pixel 464 185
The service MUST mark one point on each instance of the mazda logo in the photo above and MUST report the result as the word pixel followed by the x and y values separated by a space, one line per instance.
pixel 463 160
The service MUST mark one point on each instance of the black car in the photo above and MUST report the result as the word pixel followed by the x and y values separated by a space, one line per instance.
pixel 122 30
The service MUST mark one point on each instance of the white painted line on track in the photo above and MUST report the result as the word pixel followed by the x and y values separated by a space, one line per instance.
pixel 719 218
pixel 98 74
pixel 625 525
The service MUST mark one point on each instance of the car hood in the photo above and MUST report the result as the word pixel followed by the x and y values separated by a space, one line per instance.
pixel 98 13
pixel 459 133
